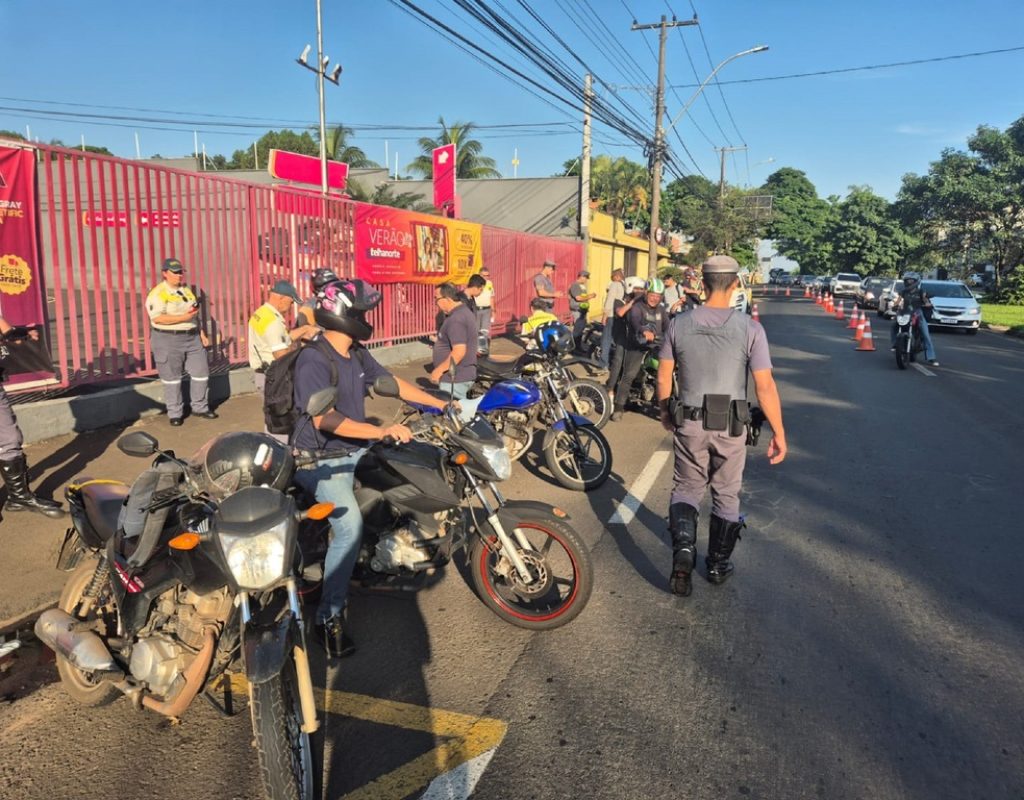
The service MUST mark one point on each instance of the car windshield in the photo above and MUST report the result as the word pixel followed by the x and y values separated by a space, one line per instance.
pixel 945 289
pixel 848 276
pixel 877 283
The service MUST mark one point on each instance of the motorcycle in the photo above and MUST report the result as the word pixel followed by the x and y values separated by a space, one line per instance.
pixel 590 341
pixel 527 564
pixel 205 588
pixel 908 337
pixel 643 392
pixel 575 450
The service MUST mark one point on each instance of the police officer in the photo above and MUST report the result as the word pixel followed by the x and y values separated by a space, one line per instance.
pixel 709 351
pixel 178 343
pixel 269 337
pixel 13 464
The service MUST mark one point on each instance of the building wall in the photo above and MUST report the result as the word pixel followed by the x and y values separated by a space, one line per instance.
pixel 610 248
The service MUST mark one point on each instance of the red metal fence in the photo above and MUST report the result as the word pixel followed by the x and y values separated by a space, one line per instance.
pixel 106 224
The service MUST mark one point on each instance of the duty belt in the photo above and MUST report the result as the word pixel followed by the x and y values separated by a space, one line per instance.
pixel 189 332
pixel 692 412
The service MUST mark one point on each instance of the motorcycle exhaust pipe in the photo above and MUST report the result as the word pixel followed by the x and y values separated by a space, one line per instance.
pixel 84 650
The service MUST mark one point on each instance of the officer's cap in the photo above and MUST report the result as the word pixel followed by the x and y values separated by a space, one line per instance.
pixel 172 265
pixel 550 263
pixel 285 289
pixel 720 265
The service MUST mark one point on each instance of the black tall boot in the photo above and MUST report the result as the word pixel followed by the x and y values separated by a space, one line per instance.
pixel 19 496
pixel 722 539
pixel 682 525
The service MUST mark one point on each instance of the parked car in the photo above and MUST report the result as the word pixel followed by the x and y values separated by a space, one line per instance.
pixel 953 306
pixel 870 290
pixel 846 284
pixel 742 296
pixel 886 295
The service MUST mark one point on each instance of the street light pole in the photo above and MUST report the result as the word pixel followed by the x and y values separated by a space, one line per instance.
pixel 759 49
pixel 321 75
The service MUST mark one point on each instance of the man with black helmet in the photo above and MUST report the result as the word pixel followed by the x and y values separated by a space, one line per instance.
pixel 913 297
pixel 341 435
pixel 709 352
pixel 319 279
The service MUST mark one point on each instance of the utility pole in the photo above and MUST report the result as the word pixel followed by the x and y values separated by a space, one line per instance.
pixel 658 146
pixel 721 178
pixel 588 94
pixel 321 72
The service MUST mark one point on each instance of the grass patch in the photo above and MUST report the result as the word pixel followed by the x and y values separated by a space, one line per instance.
pixel 1011 316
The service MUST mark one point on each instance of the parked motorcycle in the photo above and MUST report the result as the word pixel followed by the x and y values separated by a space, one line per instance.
pixel 908 337
pixel 187 577
pixel 527 564
pixel 643 392
pixel 590 341
pixel 575 450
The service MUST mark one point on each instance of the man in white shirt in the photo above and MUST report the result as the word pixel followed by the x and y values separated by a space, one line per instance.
pixel 616 292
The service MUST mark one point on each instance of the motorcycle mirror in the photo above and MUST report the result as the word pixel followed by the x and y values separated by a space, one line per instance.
pixel 138 444
pixel 385 386
pixel 321 402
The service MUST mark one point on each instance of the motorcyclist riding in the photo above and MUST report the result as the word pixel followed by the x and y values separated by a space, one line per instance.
pixel 914 298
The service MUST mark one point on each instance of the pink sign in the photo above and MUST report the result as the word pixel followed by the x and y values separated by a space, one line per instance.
pixel 444 179
pixel 288 166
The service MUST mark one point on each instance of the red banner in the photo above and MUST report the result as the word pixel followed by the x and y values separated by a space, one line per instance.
pixel 21 300
pixel 444 179
pixel 394 245
pixel 287 166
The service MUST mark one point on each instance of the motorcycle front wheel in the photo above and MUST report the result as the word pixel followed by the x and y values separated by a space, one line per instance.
pixel 589 399
pixel 285 752
pixel 559 565
pixel 901 351
pixel 579 459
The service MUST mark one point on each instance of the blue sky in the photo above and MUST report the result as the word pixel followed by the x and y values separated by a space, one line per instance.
pixel 216 60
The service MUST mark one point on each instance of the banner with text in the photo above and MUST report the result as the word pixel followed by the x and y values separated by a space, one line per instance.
pixel 21 299
pixel 394 245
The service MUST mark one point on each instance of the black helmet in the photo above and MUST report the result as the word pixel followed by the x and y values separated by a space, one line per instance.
pixel 342 305
pixel 910 279
pixel 321 277
pixel 234 461
pixel 553 337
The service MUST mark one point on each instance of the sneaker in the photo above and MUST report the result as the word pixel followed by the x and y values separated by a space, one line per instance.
pixel 933 363
pixel 616 415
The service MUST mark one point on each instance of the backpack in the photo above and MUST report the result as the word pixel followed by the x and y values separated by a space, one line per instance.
pixel 279 409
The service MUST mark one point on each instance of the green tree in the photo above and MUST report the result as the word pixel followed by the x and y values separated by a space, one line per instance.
pixel 274 140
pixel 801 220
pixel 384 195
pixel 866 236
pixel 5 134
pixel 714 224
pixel 621 188
pixel 470 162
pixel 89 148
pixel 339 149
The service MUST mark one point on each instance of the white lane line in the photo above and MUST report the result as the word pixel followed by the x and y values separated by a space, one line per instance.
pixel 923 370
pixel 638 491
pixel 459 783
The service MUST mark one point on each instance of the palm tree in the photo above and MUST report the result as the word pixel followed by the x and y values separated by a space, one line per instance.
pixel 339 149
pixel 469 161
pixel 620 186
pixel 384 195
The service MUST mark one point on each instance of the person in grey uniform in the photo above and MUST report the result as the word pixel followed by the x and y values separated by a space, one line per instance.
pixel 709 352
pixel 13 464
pixel 178 344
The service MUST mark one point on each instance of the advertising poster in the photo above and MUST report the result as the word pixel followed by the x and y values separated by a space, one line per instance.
pixel 394 245
pixel 20 287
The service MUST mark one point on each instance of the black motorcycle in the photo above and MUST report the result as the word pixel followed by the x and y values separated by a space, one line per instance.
pixel 424 501
pixel 190 576
pixel 909 342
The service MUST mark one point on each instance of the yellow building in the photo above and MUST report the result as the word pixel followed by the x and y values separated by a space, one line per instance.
pixel 610 247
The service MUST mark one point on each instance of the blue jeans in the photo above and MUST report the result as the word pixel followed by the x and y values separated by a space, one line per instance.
pixel 331 481
pixel 606 344
pixel 922 327
pixel 457 391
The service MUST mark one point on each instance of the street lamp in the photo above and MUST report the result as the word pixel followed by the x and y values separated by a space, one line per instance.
pixel 759 49
pixel 321 73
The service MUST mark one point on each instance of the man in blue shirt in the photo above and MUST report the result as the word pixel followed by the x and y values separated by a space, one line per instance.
pixel 341 435
pixel 455 348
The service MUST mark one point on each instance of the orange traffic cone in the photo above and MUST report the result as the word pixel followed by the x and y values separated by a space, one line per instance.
pixel 839 311
pixel 754 315
pixel 859 333
pixel 827 305
pixel 853 319
pixel 867 343
pixel 787 292
pixel 807 291
pixel 776 290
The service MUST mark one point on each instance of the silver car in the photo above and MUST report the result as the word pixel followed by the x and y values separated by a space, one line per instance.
pixel 846 284
pixel 953 306
pixel 886 295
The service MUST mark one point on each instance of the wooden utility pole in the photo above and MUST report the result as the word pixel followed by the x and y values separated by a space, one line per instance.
pixel 658 146
pixel 721 178
pixel 588 94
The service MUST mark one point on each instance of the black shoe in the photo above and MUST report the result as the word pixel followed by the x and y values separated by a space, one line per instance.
pixel 616 415
pixel 209 415
pixel 331 635
pixel 19 496
pixel 176 422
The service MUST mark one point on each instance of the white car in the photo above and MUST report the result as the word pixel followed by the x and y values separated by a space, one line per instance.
pixel 953 306
pixel 846 284
pixel 741 295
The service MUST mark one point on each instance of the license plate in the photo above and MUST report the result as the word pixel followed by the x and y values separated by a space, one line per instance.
pixel 949 320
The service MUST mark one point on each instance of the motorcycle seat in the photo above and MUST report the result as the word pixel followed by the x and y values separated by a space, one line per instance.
pixel 103 503
pixel 488 367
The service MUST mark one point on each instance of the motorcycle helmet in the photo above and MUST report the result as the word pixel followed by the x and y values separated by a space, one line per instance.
pixel 632 283
pixel 911 279
pixel 656 285
pixel 321 277
pixel 553 337
pixel 342 305
pixel 240 459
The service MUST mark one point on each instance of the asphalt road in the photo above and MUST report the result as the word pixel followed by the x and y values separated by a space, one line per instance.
pixel 868 646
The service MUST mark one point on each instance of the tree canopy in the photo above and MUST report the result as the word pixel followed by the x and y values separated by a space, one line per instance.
pixel 470 162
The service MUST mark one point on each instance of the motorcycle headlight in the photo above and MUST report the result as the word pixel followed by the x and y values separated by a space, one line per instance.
pixel 257 560
pixel 903 319
pixel 497 458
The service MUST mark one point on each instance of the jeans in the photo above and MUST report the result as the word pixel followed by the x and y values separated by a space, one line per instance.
pixel 922 327
pixel 577 328
pixel 632 363
pixel 456 391
pixel 606 344
pixel 331 481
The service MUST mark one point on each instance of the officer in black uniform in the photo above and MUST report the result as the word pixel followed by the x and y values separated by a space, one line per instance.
pixel 709 351
pixel 13 464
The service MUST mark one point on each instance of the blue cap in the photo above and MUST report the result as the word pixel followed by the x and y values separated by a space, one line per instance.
pixel 172 265
pixel 285 289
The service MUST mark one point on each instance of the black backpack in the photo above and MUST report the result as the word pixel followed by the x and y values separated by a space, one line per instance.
pixel 279 409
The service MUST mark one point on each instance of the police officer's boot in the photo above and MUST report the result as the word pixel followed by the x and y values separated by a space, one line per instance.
pixel 722 539
pixel 682 525
pixel 19 496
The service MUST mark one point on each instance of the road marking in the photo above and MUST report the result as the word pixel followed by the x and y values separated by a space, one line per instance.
pixel 450 770
pixel 923 370
pixel 634 498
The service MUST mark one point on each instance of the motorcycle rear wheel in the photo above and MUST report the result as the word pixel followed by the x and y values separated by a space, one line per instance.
pixel 589 399
pixel 581 462
pixel 901 351
pixel 557 559
pixel 82 689
pixel 285 751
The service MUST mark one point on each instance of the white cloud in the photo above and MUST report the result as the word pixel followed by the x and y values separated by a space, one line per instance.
pixel 913 129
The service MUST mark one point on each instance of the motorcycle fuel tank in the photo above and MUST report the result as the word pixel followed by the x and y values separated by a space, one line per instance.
pixel 410 476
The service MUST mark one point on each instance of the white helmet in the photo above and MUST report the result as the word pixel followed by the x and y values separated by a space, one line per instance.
pixel 634 282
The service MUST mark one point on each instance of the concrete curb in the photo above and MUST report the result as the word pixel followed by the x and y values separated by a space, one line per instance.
pixel 46 419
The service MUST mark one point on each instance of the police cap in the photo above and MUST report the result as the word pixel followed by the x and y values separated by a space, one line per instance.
pixel 720 265
pixel 172 265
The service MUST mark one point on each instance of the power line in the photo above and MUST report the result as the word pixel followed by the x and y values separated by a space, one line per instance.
pixel 711 63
